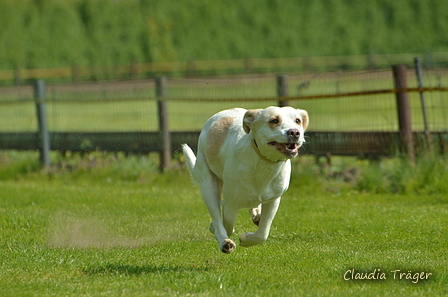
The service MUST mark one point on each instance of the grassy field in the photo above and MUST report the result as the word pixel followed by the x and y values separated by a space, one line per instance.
pixel 112 226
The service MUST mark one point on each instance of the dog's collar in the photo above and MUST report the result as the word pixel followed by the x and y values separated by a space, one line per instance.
pixel 257 150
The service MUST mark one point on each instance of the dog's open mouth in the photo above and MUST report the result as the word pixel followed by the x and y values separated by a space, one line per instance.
pixel 288 149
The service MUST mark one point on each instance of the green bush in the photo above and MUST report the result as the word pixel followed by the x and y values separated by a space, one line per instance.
pixel 429 175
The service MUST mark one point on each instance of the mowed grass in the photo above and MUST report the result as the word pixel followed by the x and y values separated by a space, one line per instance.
pixel 108 231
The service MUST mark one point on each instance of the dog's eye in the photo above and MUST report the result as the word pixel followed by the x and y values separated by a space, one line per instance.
pixel 274 121
pixel 298 121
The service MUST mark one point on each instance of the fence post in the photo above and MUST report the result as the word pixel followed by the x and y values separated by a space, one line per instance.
pixel 404 111
pixel 17 78
pixel 44 134
pixel 418 72
pixel 247 65
pixel 165 154
pixel 191 69
pixel 76 73
pixel 282 90
pixel 134 70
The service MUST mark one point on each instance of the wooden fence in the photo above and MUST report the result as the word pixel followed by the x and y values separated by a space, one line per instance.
pixel 319 143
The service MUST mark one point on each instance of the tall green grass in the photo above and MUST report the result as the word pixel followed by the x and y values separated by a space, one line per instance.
pixel 428 176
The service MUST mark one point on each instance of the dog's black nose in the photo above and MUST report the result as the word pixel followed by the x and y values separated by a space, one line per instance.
pixel 293 135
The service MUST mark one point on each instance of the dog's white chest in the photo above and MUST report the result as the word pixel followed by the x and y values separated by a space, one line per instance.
pixel 249 189
pixel 253 196
pixel 272 189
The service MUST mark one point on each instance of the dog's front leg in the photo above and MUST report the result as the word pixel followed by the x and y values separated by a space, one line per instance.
pixel 268 211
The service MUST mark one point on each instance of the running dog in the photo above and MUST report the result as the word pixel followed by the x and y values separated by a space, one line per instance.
pixel 245 156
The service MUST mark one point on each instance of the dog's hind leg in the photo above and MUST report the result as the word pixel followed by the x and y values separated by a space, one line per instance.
pixel 255 214
pixel 229 217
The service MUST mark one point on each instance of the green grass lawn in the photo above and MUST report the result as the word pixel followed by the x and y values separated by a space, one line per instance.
pixel 95 232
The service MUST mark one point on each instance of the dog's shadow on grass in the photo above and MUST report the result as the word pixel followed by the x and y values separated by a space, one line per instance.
pixel 123 269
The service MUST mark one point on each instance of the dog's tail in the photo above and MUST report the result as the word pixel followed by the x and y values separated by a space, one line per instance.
pixel 190 158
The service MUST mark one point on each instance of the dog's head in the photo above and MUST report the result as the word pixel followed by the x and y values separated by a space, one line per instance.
pixel 278 131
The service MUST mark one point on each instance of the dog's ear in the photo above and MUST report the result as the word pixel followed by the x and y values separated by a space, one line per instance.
pixel 305 118
pixel 249 118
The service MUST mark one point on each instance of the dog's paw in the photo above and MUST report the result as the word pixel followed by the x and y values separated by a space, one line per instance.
pixel 249 239
pixel 228 246
pixel 244 239
pixel 255 215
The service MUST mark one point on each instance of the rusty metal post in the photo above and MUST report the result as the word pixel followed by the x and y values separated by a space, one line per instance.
pixel 404 111
pixel 165 154
pixel 282 90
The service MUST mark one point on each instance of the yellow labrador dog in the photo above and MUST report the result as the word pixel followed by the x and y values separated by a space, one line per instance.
pixel 245 155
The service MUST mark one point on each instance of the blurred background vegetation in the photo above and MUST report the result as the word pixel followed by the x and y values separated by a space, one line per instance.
pixel 54 33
